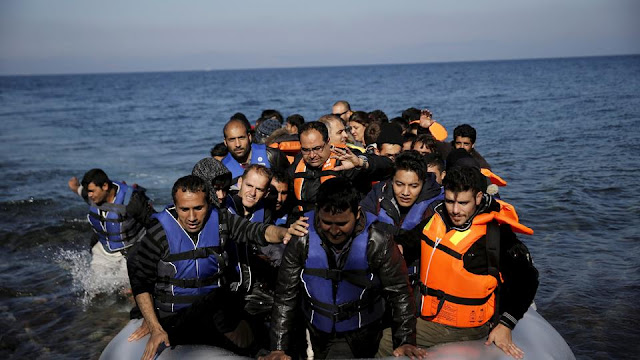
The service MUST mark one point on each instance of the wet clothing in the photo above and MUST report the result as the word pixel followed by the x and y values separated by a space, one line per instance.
pixel 380 167
pixel 384 260
pixel 519 278
pixel 121 224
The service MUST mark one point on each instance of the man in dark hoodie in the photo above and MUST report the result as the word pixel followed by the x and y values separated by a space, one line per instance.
pixel 217 177
pixel 402 200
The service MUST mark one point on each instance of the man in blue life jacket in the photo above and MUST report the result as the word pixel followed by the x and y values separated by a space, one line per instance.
pixel 344 273
pixel 182 270
pixel 403 200
pixel 118 214
pixel 242 152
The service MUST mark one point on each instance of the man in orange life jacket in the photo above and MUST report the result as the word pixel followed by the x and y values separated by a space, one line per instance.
pixel 319 161
pixel 243 153
pixel 341 271
pixel 496 281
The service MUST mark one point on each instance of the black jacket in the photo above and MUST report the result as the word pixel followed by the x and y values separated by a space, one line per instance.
pixel 520 277
pixel 383 257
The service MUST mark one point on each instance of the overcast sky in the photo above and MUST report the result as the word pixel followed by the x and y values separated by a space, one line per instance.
pixel 87 36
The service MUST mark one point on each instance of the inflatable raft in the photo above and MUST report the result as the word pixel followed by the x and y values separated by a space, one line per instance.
pixel 534 335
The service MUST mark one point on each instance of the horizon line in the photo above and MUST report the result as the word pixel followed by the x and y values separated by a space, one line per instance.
pixel 311 66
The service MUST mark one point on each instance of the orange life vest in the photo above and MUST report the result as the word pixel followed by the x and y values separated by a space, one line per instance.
pixel 289 148
pixel 436 129
pixel 299 177
pixel 448 293
pixel 495 179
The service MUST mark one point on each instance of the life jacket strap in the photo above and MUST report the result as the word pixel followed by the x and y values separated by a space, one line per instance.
pixel 191 283
pixel 101 218
pixel 443 248
pixel 323 173
pixel 199 253
pixel 177 299
pixel 442 297
pixel 344 311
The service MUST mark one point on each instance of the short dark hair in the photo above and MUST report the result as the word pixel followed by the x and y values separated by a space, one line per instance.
pixel 317 126
pixel 296 120
pixel 190 183
pixel 96 176
pixel 241 117
pixel 272 114
pixel 371 133
pixel 413 161
pixel 411 114
pixel 282 176
pixel 260 169
pixel 464 178
pixel 337 195
pixel 427 140
pixel 434 160
pixel 465 130
pixel 378 116
pixel 402 123
pixel 408 136
pixel 219 149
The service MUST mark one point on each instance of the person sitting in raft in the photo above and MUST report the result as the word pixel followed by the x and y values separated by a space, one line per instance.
pixel 293 123
pixel 341 271
pixel 218 179
pixel 464 137
pixel 435 165
pixel 342 109
pixel 279 197
pixel 496 281
pixel 429 126
pixel 118 214
pixel 319 161
pixel 243 153
pixel 180 273
pixel 389 142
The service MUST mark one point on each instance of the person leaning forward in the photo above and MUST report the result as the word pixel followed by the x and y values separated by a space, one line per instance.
pixel 343 272
pixel 176 300
pixel 495 282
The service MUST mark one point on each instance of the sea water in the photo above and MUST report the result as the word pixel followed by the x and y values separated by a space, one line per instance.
pixel 564 133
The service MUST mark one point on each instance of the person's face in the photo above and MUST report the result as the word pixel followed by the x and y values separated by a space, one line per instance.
pixel 192 209
pixel 337 133
pixel 463 143
pixel 337 227
pixel 390 150
pixel 315 151
pixel 98 194
pixel 342 111
pixel 291 129
pixel 253 188
pixel 439 174
pixel 461 205
pixel 406 187
pixel 282 191
pixel 406 146
pixel 357 130
pixel 221 192
pixel 421 148
pixel 237 140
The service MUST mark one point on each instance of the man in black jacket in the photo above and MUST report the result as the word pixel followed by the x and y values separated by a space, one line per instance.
pixel 343 273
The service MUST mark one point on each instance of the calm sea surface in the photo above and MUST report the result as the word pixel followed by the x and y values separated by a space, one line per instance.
pixel 565 134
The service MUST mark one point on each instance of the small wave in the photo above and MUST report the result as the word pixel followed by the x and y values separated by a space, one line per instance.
pixel 86 281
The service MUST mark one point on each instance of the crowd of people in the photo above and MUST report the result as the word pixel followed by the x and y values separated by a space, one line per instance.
pixel 353 235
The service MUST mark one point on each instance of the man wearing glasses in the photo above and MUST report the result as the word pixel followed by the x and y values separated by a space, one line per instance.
pixel 320 161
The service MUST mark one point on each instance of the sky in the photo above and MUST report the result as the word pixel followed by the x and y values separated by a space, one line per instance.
pixel 89 36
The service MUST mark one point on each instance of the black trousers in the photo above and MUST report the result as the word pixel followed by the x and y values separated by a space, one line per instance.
pixel 363 342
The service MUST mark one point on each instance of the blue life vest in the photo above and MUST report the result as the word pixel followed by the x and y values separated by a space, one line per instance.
pixel 282 220
pixel 413 217
pixel 258 156
pixel 340 299
pixel 256 217
pixel 190 271
pixel 115 229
